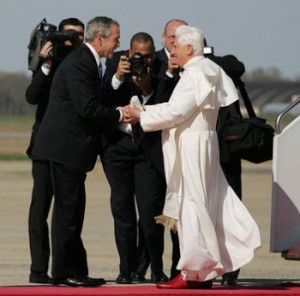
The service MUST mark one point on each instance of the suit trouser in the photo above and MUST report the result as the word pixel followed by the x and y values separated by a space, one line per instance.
pixel 143 255
pixel 69 255
pixel 233 173
pixel 38 213
pixel 135 182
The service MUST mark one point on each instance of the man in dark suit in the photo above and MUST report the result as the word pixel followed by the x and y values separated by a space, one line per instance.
pixel 168 37
pixel 37 93
pixel 68 139
pixel 133 162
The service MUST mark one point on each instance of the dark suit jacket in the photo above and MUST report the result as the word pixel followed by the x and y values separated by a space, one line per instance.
pixel 74 116
pixel 37 94
pixel 150 142
pixel 166 84
pixel 161 56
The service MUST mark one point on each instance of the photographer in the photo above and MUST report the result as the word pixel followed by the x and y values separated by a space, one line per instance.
pixel 37 93
pixel 133 161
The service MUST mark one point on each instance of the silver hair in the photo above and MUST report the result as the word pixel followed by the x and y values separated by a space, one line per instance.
pixel 99 25
pixel 191 35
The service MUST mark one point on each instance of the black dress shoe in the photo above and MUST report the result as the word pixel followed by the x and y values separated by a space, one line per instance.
pixel 39 278
pixel 79 281
pixel 100 281
pixel 159 278
pixel 230 278
pixel 229 281
pixel 124 279
pixel 138 276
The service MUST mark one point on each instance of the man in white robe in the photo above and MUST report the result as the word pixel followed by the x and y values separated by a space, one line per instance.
pixel 216 232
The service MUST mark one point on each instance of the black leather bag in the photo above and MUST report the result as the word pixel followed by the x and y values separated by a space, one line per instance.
pixel 248 138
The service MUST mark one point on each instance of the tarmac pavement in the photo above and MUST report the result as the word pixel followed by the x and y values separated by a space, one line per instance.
pixel 98 234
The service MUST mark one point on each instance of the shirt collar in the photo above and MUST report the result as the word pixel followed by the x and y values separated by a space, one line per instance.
pixel 94 52
pixel 167 53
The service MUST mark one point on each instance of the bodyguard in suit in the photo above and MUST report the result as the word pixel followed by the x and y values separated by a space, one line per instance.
pixel 37 94
pixel 133 162
pixel 67 138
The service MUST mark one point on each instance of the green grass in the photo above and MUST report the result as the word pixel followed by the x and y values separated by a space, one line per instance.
pixel 16 123
pixel 24 124
pixel 13 157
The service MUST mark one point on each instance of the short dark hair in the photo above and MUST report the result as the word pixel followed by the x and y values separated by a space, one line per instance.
pixel 70 21
pixel 142 37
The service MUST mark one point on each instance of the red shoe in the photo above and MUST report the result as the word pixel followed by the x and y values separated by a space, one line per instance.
pixel 179 283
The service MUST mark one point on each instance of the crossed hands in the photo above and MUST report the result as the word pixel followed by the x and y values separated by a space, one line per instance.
pixel 131 114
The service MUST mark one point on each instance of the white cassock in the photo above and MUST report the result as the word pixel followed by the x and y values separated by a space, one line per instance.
pixel 216 232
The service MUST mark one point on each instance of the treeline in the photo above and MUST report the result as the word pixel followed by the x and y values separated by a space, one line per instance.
pixel 12 94
pixel 13 87
pixel 266 74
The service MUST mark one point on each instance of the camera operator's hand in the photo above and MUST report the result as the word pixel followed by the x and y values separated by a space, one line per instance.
pixel 172 65
pixel 44 53
pixel 144 83
pixel 123 68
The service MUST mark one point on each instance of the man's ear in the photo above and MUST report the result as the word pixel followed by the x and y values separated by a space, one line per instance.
pixel 189 50
pixel 100 38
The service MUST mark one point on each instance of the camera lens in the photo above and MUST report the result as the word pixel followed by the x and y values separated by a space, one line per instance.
pixel 138 65
pixel 137 68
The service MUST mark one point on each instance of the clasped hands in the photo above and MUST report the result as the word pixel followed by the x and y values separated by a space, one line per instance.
pixel 131 114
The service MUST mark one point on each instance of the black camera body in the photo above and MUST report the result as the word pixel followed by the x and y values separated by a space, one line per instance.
pixel 60 50
pixel 138 65
pixel 47 32
pixel 57 38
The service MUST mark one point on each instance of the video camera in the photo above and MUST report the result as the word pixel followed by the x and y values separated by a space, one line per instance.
pixel 138 64
pixel 47 32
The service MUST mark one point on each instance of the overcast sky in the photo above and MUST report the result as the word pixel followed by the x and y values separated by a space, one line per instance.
pixel 261 33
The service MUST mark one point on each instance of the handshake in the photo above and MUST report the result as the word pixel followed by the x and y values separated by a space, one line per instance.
pixel 131 113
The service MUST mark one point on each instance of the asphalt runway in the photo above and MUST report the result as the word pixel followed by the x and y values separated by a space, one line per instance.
pixel 15 193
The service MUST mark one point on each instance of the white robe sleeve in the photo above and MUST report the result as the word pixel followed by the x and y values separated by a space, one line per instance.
pixel 167 115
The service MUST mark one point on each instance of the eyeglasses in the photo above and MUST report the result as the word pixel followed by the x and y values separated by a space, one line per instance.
pixel 171 37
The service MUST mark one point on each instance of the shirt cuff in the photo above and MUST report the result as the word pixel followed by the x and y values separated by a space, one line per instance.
pixel 170 75
pixel 115 82
pixel 121 114
pixel 45 70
